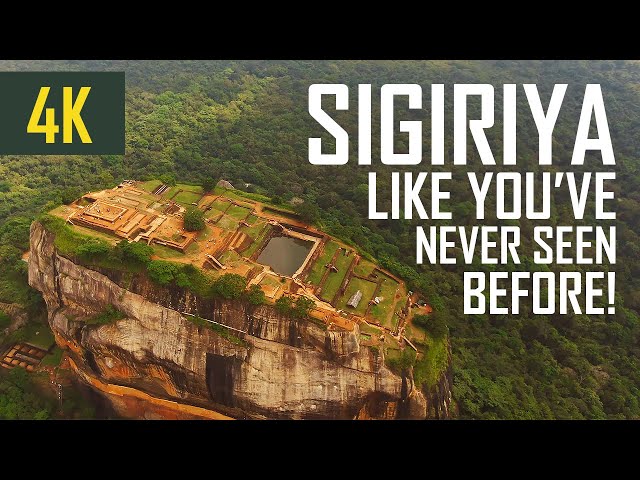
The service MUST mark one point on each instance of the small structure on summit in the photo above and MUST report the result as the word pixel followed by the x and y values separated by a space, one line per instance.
pixel 355 299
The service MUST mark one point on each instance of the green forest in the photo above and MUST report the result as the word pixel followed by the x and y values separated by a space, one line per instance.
pixel 247 122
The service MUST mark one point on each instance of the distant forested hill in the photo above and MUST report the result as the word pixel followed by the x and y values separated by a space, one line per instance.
pixel 247 122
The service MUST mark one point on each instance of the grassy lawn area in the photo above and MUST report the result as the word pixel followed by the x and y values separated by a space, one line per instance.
pixel 192 249
pixel 240 195
pixel 166 252
pixel 265 228
pixel 203 235
pixel 53 359
pixel 112 239
pixel 151 185
pixel 315 275
pixel 334 280
pixel 367 288
pixel 231 258
pixel 369 330
pixel 281 212
pixel 227 223
pixel 190 188
pixel 220 205
pixel 364 268
pixel 254 230
pixel 168 193
pixel 238 212
pixel 36 334
pixel 251 219
pixel 187 198
pixel 382 311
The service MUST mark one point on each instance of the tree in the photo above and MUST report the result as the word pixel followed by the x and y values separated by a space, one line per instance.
pixel 134 251
pixel 284 305
pixel 168 179
pixel 276 200
pixel 161 272
pixel 5 187
pixel 435 324
pixel 9 255
pixel 194 220
pixel 303 307
pixel 229 286
pixel 208 184
pixel 68 195
pixel 255 295
pixel 15 231
pixel 309 212
pixel 21 399
pixel 182 280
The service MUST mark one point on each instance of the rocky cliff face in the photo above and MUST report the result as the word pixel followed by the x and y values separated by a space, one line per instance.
pixel 264 366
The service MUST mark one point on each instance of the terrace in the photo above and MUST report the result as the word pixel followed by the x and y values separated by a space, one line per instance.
pixel 244 234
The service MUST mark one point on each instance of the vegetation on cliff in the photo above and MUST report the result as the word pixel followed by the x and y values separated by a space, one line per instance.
pixel 248 122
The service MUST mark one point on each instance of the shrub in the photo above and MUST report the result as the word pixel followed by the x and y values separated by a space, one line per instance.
pixel 208 184
pixel 302 307
pixel 134 251
pixel 162 273
pixel 229 286
pixel 168 179
pixel 109 315
pixel 255 295
pixel 435 324
pixel 93 248
pixel 284 305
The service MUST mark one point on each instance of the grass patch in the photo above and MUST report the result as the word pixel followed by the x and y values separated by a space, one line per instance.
pixel 238 212
pixel 254 230
pixel 334 280
pixel 166 252
pixel 382 312
pixel 151 185
pixel 190 188
pixel 187 198
pixel 53 359
pixel 258 240
pixel 369 330
pixel 220 205
pixel 220 330
pixel 367 288
pixel 227 223
pixel 256 197
pixel 316 273
pixel 108 316
pixel 168 193
pixel 35 333
pixel 229 257
pixel 270 281
pixel 432 362
pixel 251 219
pixel 364 268
pixel 281 212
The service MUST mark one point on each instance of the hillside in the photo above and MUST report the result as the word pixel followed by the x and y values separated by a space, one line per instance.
pixel 247 122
